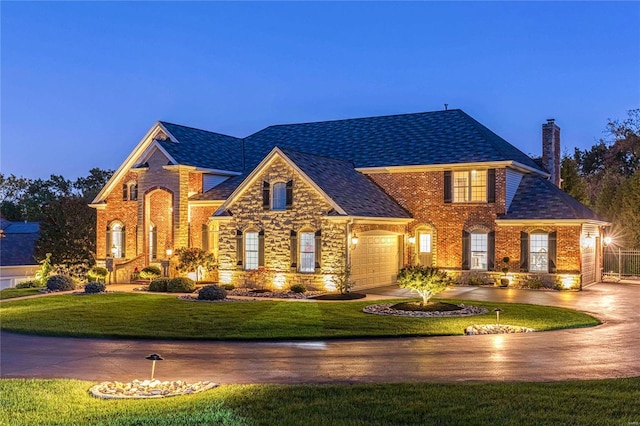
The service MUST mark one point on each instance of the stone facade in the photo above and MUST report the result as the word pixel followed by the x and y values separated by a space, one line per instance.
pixel 306 214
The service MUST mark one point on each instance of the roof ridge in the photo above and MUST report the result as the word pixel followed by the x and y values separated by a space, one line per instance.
pixel 285 150
pixel 359 118
pixel 198 129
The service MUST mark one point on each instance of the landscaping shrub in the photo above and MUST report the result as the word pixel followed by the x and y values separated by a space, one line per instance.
pixel 298 288
pixel 181 285
pixel 159 284
pixel 228 287
pixel 476 281
pixel 97 274
pixel 95 287
pixel 535 283
pixel 60 283
pixel 150 272
pixel 29 284
pixel 212 292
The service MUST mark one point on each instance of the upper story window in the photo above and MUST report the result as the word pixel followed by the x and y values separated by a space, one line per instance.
pixel 130 191
pixel 278 196
pixel 469 186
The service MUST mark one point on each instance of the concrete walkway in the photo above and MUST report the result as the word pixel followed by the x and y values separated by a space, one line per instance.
pixel 610 350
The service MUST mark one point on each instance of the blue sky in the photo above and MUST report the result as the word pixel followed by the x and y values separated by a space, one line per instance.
pixel 83 82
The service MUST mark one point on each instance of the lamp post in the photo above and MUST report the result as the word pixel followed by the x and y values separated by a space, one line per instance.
pixel 154 358
pixel 497 311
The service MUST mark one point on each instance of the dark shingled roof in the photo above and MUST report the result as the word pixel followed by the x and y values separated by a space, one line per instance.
pixel 221 191
pixel 351 190
pixel 538 198
pixel 203 149
pixel 439 137
pixel 17 244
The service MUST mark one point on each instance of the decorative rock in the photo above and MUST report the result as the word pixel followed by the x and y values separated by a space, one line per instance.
pixel 147 389
pixel 495 329
pixel 385 309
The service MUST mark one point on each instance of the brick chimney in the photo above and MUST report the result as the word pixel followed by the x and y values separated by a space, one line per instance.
pixel 551 150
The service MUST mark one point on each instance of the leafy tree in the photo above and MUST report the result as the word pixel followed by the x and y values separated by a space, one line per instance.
pixel 572 181
pixel 342 280
pixel 426 280
pixel 194 259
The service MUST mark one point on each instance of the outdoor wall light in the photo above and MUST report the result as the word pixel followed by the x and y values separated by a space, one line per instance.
pixel 607 241
pixel 354 239
pixel 588 241
pixel 154 358
pixel 169 252
pixel 412 240
pixel 114 251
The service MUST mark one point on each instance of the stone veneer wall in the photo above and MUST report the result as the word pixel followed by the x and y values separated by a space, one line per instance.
pixel 307 213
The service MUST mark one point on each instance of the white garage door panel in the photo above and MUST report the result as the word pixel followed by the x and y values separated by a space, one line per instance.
pixel 374 262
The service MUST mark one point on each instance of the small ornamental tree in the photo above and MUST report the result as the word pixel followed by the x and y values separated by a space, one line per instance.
pixel 342 280
pixel 426 280
pixel 45 270
pixel 194 259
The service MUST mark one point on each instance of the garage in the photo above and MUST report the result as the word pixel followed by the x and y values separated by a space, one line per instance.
pixel 375 260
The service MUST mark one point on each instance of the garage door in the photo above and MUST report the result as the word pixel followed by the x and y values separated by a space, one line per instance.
pixel 374 261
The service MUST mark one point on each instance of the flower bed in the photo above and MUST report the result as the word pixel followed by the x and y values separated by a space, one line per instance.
pixel 385 309
pixel 495 329
pixel 147 389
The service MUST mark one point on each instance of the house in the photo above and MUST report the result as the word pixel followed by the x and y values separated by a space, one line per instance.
pixel 17 245
pixel 376 193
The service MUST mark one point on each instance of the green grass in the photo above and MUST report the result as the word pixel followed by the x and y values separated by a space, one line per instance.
pixel 10 293
pixel 136 315
pixel 66 402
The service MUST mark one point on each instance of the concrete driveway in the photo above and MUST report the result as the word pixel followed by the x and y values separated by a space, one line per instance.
pixel 611 350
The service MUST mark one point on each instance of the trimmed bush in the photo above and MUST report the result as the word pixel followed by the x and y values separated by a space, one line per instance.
pixel 298 288
pixel 159 284
pixel 181 285
pixel 228 287
pixel 212 292
pixel 150 272
pixel 29 284
pixel 60 283
pixel 95 287
pixel 97 274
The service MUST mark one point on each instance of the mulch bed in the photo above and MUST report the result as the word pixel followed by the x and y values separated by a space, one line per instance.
pixel 339 296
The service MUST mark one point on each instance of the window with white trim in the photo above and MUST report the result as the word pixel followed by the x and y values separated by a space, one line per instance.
pixel 470 186
pixel 116 240
pixel 424 242
pixel 250 250
pixel 539 252
pixel 307 252
pixel 279 196
pixel 479 246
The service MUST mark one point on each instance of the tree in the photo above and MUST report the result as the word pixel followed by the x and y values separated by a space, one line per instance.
pixel 426 280
pixel 194 259
pixel 573 182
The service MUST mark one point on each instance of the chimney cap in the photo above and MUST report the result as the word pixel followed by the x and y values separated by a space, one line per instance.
pixel 551 120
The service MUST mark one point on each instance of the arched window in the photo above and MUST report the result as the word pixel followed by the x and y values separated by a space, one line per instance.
pixel 278 196
pixel 479 250
pixel 116 240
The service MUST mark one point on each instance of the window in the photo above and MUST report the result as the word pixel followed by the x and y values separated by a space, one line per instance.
pixel 470 186
pixel 130 191
pixel 307 252
pixel 278 196
pixel 116 240
pixel 251 250
pixel 539 252
pixel 479 246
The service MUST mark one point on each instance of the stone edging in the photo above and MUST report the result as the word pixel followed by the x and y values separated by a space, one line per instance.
pixel 385 309
pixel 147 389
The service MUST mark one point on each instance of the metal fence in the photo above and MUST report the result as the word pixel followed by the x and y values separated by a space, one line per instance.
pixel 621 263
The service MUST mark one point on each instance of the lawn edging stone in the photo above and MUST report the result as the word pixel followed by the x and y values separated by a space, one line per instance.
pixel 148 389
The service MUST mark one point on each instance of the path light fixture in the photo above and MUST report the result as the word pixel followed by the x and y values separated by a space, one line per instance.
pixel 497 311
pixel 154 358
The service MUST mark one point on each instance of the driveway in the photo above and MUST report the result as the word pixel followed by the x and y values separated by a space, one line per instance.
pixel 611 350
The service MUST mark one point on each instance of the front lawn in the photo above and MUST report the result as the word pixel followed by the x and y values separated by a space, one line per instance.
pixel 66 402
pixel 10 293
pixel 135 315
